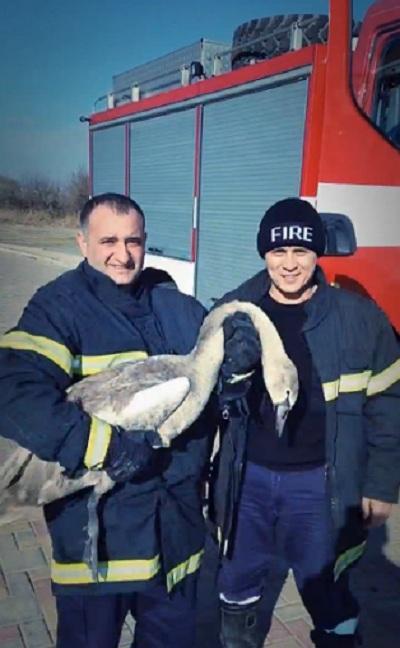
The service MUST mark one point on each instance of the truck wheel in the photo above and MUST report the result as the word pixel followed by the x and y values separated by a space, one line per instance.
pixel 276 30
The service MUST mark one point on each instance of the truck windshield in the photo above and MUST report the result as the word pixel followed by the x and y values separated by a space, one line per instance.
pixel 376 64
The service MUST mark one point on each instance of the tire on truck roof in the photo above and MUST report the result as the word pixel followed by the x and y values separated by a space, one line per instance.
pixel 245 51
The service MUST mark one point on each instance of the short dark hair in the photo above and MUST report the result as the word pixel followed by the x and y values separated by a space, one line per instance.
pixel 120 203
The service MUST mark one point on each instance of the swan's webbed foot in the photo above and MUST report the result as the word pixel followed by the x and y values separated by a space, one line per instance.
pixel 90 553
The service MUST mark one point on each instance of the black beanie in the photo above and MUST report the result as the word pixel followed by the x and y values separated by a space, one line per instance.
pixel 291 222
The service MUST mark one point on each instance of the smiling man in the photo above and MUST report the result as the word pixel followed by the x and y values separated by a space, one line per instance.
pixel 291 270
pixel 113 240
pixel 109 310
pixel 335 470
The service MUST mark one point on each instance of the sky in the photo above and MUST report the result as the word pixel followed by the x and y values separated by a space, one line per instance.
pixel 58 56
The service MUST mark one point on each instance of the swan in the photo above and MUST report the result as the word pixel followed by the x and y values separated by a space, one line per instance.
pixel 167 393
pixel 162 393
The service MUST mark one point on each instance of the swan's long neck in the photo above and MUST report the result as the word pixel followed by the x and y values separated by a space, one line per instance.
pixel 210 345
pixel 206 358
pixel 209 350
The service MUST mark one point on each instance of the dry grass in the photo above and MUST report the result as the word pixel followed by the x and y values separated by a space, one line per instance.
pixel 39 218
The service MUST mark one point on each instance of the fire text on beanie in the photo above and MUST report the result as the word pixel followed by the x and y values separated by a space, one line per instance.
pixel 291 222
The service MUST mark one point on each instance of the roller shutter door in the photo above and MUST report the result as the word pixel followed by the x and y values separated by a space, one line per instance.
pixel 162 163
pixel 251 157
pixel 108 167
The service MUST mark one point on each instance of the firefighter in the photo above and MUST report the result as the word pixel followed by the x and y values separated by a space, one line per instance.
pixel 311 494
pixel 151 538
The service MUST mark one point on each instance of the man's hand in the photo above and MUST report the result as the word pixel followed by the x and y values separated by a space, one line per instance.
pixel 242 352
pixel 242 348
pixel 129 453
pixel 375 512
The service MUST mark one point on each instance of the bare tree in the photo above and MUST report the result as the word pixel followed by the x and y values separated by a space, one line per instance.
pixel 10 192
pixel 76 191
pixel 38 193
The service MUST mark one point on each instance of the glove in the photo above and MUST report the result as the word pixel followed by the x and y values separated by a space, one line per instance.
pixel 129 453
pixel 242 345
pixel 242 352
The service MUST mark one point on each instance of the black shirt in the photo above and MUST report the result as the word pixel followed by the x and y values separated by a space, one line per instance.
pixel 302 444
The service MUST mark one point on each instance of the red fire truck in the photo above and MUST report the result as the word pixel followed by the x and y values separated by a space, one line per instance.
pixel 320 120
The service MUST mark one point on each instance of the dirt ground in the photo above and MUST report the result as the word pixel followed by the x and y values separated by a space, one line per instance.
pixel 56 238
pixel 36 218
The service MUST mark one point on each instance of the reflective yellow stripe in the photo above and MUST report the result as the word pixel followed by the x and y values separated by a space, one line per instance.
pixel 54 351
pixel 346 384
pixel 350 383
pixel 108 572
pixel 385 379
pixel 186 567
pixel 331 390
pixel 99 439
pixel 348 558
pixel 123 570
pixel 87 365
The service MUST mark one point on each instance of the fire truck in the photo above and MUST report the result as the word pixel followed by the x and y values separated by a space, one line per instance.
pixel 302 105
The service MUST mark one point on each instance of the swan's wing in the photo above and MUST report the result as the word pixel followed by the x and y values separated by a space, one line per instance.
pixel 116 387
pixel 147 408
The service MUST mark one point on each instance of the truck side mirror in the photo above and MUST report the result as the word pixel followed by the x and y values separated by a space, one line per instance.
pixel 340 235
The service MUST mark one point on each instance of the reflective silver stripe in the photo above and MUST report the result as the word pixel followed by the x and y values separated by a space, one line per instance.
pixel 108 572
pixel 54 351
pixel 87 365
pixel 246 601
pixel 348 558
pixel 347 627
pixel 385 379
pixel 99 439
pixel 236 378
pixel 186 567
pixel 346 384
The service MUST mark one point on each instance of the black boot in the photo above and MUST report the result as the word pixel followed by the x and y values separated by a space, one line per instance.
pixel 240 626
pixel 323 639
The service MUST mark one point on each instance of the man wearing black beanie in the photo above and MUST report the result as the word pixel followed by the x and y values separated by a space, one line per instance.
pixel 335 470
pixel 291 222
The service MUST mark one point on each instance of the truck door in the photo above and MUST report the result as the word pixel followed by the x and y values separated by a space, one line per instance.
pixel 251 157
pixel 107 159
pixel 161 179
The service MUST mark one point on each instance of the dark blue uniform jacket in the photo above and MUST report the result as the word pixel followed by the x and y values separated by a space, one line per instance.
pixel 356 355
pixel 75 326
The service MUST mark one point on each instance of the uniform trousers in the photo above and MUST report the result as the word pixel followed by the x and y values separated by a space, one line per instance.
pixel 286 514
pixel 95 621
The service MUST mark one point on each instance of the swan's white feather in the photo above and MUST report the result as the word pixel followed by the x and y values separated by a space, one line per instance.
pixel 146 405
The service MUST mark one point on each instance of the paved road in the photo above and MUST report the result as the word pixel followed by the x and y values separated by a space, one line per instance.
pixel 27 612
pixel 20 276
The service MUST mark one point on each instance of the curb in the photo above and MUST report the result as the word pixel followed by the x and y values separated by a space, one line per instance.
pixel 57 258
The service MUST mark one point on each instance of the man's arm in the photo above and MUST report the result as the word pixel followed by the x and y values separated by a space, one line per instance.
pixel 382 425
pixel 36 368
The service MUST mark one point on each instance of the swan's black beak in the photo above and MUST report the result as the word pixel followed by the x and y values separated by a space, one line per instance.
pixel 281 412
